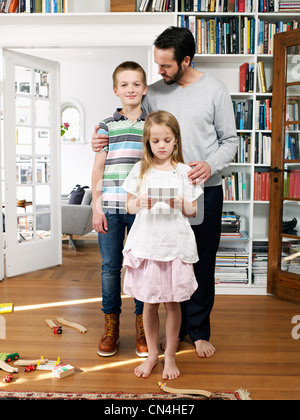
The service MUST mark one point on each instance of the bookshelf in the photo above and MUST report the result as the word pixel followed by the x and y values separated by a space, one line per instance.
pixel 92 26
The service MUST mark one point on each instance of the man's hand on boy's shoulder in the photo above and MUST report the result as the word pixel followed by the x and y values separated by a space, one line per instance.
pixel 98 140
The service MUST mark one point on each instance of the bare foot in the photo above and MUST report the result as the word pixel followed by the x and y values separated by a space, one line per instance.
pixel 170 370
pixel 145 369
pixel 204 349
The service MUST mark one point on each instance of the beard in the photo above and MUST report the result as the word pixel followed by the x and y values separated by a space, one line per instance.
pixel 177 76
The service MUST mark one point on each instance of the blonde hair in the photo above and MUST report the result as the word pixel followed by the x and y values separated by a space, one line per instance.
pixel 129 65
pixel 167 120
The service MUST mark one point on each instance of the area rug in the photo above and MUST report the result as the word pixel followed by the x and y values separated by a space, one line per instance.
pixel 120 396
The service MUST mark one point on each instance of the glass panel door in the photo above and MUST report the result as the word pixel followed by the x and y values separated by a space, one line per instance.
pixel 291 194
pixel 32 163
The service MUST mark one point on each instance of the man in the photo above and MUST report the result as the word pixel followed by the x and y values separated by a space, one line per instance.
pixel 203 107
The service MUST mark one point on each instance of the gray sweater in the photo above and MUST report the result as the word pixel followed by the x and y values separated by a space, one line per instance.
pixel 205 113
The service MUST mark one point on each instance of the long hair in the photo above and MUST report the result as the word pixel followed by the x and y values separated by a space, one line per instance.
pixel 167 120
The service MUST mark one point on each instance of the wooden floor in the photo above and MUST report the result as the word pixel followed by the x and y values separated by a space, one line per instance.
pixel 255 348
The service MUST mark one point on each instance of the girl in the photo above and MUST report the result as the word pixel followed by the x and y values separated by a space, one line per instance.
pixel 161 249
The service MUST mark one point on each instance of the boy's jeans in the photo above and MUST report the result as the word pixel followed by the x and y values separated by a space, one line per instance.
pixel 111 246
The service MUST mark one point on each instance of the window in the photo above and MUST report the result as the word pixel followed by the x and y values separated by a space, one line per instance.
pixel 72 113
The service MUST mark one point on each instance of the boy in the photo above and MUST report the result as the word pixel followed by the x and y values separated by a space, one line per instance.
pixel 110 219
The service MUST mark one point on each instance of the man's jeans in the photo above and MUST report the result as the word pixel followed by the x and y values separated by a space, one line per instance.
pixel 111 246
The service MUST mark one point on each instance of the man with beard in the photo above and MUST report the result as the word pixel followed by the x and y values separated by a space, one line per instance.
pixel 203 107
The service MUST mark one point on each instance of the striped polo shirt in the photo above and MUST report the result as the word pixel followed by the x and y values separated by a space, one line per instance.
pixel 125 148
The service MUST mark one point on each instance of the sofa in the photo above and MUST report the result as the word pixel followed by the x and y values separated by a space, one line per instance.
pixel 76 218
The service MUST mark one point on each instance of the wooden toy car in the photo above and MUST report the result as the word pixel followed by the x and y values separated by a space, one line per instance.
pixel 57 330
pixel 13 356
pixel 8 378
pixel 29 368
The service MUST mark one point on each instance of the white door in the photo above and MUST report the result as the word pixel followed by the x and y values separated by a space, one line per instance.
pixel 32 163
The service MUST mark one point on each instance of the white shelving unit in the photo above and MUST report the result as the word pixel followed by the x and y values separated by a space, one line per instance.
pixel 94 26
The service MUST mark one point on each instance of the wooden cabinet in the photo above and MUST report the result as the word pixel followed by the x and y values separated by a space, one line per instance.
pixel 284 228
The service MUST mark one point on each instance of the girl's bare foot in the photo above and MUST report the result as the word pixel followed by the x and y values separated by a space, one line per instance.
pixel 171 371
pixel 145 369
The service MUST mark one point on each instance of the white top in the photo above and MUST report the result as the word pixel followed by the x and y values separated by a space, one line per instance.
pixel 162 233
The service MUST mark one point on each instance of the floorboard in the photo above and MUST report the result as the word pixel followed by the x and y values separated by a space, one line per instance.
pixel 252 334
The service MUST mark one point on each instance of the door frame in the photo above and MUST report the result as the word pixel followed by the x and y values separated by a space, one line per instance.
pixel 281 284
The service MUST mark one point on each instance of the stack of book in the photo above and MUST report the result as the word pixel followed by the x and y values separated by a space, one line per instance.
pixel 231 223
pixel 233 35
pixel 243 111
pixel 266 32
pixel 231 266
pixel 289 5
pixel 262 184
pixel 231 227
pixel 260 263
pixel 32 6
pixel 234 187
pixel 262 149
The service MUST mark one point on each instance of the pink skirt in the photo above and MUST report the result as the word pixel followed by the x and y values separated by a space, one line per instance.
pixel 158 281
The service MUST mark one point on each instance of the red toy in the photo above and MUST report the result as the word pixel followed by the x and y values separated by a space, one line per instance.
pixel 8 378
pixel 57 330
pixel 29 368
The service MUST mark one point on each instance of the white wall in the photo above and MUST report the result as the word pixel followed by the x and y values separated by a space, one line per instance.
pixel 81 6
pixel 89 81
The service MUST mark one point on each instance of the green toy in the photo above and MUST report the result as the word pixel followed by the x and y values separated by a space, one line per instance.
pixel 8 357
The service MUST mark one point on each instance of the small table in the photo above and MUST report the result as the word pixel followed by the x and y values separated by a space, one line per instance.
pixel 22 205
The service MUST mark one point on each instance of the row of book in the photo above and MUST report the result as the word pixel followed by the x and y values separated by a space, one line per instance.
pixel 292 146
pixel 157 6
pixel 267 30
pixel 235 186
pixel 292 184
pixel 243 111
pixel 262 152
pixel 219 6
pixel 32 6
pixel 233 35
pixel 262 185
pixel 262 149
pixel 263 114
pixel 244 153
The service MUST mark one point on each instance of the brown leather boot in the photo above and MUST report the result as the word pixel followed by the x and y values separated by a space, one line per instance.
pixel 141 344
pixel 108 342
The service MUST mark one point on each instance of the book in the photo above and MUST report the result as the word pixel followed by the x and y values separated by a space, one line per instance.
pixel 13 6
pixel 262 77
pixel 6 308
